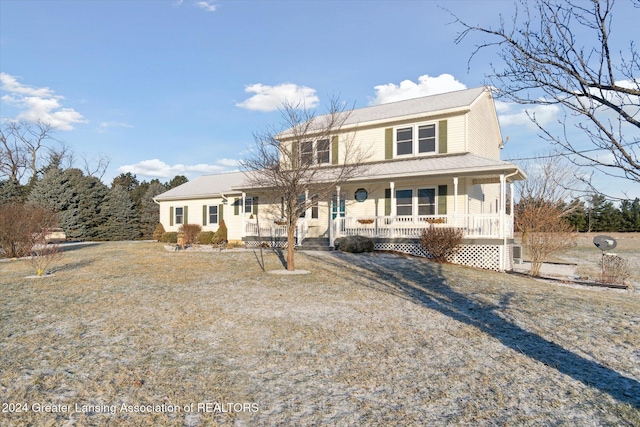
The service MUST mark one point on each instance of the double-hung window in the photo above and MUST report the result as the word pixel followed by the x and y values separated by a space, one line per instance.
pixel 404 202
pixel 415 139
pixel 315 152
pixel 426 201
pixel 248 205
pixel 179 215
pixel 322 151
pixel 213 214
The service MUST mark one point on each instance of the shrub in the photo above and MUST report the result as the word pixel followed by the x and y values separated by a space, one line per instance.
pixel 220 235
pixel 616 269
pixel 441 243
pixel 205 237
pixel 170 237
pixel 354 244
pixel 191 232
pixel 20 227
pixel 159 231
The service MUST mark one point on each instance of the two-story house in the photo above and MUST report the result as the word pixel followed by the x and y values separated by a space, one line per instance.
pixel 433 161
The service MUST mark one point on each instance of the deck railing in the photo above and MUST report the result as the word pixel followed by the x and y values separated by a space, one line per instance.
pixel 473 226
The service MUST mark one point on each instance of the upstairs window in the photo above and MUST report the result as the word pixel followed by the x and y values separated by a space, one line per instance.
pixel 404 141
pixel 315 152
pixel 322 148
pixel 415 139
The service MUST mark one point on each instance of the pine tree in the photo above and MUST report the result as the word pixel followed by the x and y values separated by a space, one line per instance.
pixel 120 220
pixel 149 210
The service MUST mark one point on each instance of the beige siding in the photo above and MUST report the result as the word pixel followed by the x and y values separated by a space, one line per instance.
pixel 194 208
pixel 484 131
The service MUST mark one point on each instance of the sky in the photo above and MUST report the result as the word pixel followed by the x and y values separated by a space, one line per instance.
pixel 179 87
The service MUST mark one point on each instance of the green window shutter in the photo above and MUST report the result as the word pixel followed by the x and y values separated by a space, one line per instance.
pixel 334 150
pixel 236 206
pixel 387 201
pixel 388 143
pixel 204 214
pixel 255 206
pixel 186 215
pixel 442 199
pixel 171 215
pixel 220 217
pixel 442 136
pixel 294 154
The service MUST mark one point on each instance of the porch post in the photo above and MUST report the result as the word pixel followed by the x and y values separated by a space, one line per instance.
pixel 455 201
pixel 511 205
pixel 307 212
pixel 503 217
pixel 244 225
pixel 392 233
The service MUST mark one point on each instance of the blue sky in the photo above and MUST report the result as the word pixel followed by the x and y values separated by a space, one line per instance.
pixel 178 87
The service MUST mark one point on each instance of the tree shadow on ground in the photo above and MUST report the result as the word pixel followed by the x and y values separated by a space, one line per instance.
pixel 424 283
pixel 73 265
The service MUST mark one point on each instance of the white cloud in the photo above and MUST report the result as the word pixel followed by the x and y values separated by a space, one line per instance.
pixel 207 5
pixel 38 104
pixel 544 114
pixel 105 126
pixel 407 89
pixel 158 169
pixel 270 98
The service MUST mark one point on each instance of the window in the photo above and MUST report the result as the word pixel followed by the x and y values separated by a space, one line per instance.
pixel 179 215
pixel 323 151
pixel 404 141
pixel 407 144
pixel 315 152
pixel 300 204
pixel 306 152
pixel 314 207
pixel 427 139
pixel 426 201
pixel 404 202
pixel 213 214
pixel 248 205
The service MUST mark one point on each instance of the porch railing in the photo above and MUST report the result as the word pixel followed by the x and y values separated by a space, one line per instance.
pixel 269 228
pixel 473 226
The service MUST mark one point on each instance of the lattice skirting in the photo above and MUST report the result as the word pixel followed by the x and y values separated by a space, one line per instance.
pixel 271 243
pixel 479 256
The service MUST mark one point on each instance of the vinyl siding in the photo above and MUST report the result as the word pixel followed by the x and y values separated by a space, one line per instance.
pixel 484 132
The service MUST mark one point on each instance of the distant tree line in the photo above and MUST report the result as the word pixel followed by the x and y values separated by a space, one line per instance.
pixel 599 214
pixel 86 208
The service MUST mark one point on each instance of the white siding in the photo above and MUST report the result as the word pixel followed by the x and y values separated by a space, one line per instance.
pixel 484 132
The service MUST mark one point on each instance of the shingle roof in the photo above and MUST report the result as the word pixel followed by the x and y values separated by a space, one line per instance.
pixel 448 164
pixel 204 186
pixel 422 105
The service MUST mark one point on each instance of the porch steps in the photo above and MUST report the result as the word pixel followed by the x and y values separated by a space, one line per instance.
pixel 315 244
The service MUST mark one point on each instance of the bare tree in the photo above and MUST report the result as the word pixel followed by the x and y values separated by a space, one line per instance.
pixel 24 148
pixel 96 166
pixel 285 170
pixel 561 52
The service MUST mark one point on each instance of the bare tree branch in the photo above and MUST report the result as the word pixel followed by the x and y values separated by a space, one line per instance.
pixel 560 53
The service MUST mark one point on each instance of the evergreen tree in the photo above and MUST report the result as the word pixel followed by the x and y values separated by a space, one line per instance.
pixel 119 216
pixel 149 210
pixel 577 216
pixel 128 181
pixel 177 180
pixel 11 191
pixel 630 215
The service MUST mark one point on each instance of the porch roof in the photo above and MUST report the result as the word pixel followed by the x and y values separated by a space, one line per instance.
pixel 464 164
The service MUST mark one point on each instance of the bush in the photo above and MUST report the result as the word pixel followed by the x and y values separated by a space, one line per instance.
pixel 221 235
pixel 22 226
pixel 616 269
pixel 205 237
pixel 170 237
pixel 441 243
pixel 191 232
pixel 159 231
pixel 354 244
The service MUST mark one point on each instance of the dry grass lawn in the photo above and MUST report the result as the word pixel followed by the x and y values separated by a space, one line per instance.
pixel 374 339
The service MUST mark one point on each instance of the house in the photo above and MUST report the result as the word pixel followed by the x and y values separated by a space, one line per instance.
pixel 434 161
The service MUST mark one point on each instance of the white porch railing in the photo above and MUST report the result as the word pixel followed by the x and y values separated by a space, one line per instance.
pixel 473 226
pixel 268 229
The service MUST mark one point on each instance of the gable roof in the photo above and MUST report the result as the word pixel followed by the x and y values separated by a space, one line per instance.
pixel 205 186
pixel 405 109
